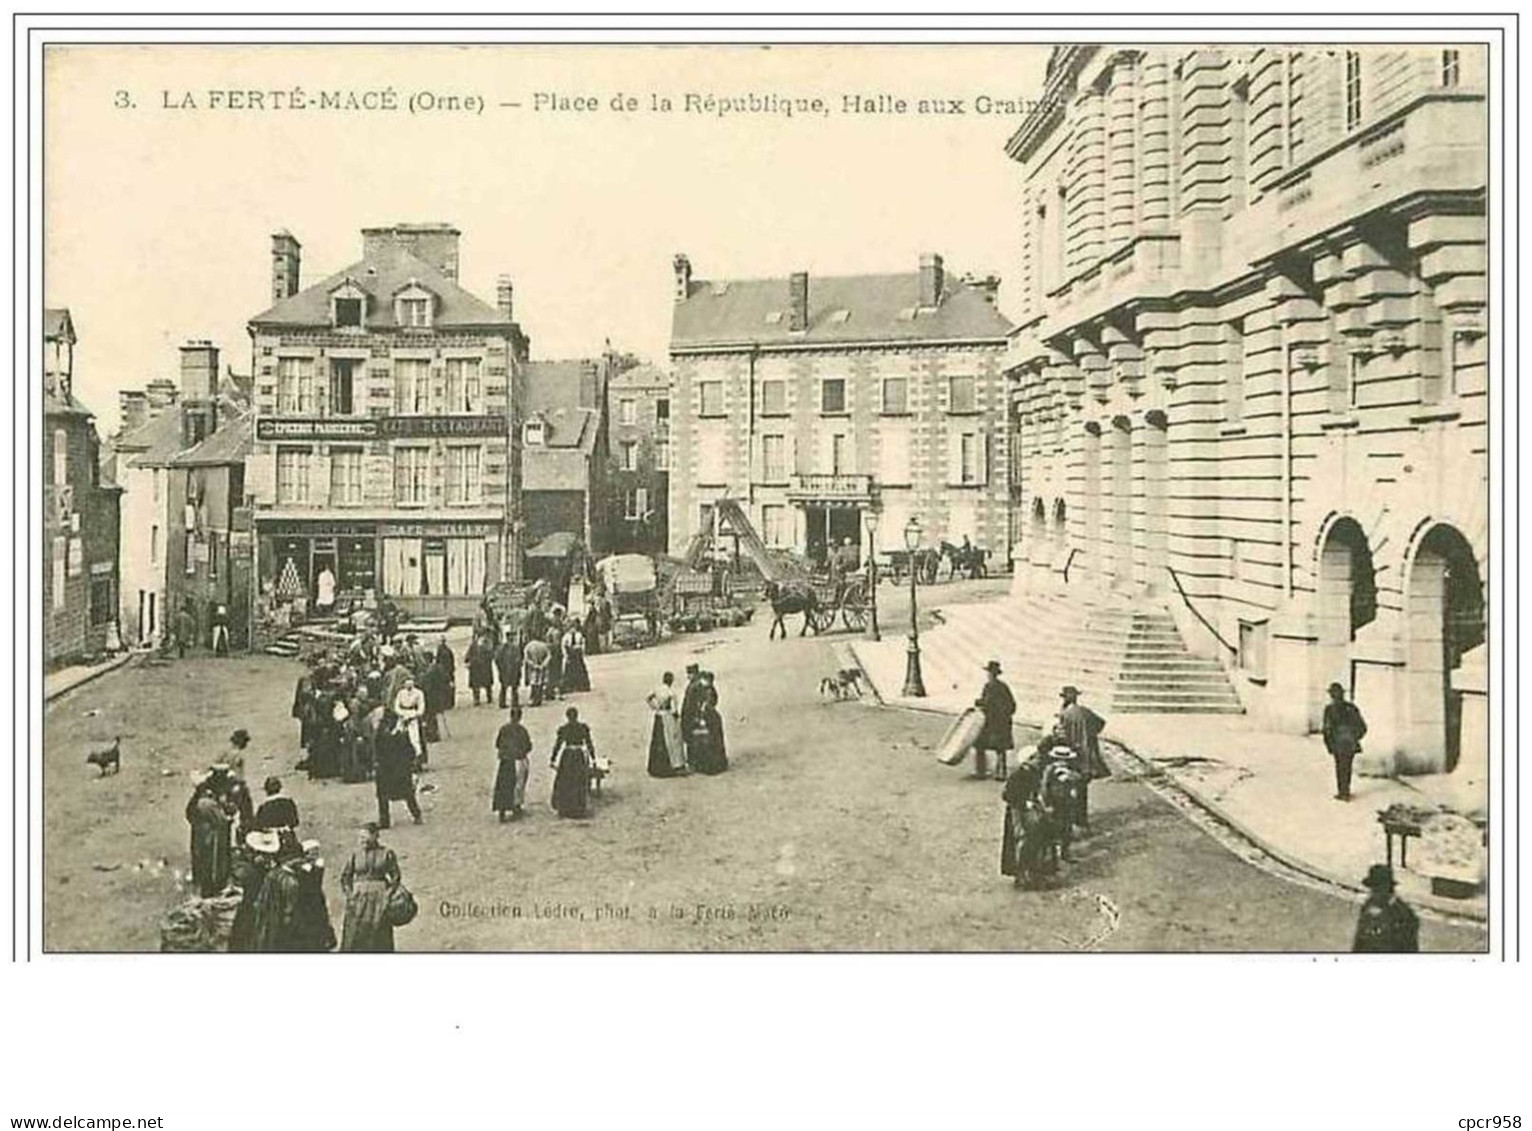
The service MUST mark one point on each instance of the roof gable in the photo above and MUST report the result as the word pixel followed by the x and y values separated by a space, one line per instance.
pixel 380 276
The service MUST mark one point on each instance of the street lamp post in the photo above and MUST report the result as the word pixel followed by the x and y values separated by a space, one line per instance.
pixel 872 575
pixel 914 685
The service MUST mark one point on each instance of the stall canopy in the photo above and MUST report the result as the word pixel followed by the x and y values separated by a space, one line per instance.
pixel 627 573
pixel 557 545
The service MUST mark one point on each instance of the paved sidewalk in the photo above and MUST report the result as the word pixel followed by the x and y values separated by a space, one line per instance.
pixel 56 683
pixel 1277 789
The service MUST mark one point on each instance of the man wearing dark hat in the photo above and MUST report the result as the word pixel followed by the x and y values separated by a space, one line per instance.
pixel 1343 731
pixel 1386 924
pixel 692 701
pixel 999 707
pixel 1081 728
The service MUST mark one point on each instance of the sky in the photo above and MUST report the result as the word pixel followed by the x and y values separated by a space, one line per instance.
pixel 162 190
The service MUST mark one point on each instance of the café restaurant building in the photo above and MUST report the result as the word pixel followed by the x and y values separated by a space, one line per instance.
pixel 384 450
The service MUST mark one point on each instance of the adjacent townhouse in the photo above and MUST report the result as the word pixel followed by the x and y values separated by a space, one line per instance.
pixel 815 401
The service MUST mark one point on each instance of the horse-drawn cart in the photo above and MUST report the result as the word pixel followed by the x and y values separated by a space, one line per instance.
pixel 632 585
pixel 702 600
pixel 847 598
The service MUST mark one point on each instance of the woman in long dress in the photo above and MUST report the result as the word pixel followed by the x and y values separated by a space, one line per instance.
pixel 410 711
pixel 512 745
pixel 368 879
pixel 667 753
pixel 210 856
pixel 709 755
pixel 481 669
pixel 576 674
pixel 573 757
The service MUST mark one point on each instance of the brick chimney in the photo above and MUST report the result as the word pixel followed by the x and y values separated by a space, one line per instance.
pixel 683 268
pixel 133 407
pixel 162 393
pixel 433 243
pixel 590 384
pixel 286 258
pixel 504 297
pixel 931 280
pixel 199 391
pixel 798 301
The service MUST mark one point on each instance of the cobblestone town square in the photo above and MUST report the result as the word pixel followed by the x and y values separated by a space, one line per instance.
pixel 834 829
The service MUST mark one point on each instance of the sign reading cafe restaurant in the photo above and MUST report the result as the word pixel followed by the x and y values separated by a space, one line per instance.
pixel 377 428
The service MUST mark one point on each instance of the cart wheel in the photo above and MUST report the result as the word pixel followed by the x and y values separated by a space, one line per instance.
pixel 853 607
pixel 822 620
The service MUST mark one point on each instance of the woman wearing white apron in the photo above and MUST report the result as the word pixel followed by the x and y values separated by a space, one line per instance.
pixel 667 753
pixel 410 707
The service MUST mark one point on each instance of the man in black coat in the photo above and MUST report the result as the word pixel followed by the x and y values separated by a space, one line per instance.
pixel 1343 728
pixel 508 664
pixel 999 707
pixel 1386 924
pixel 394 779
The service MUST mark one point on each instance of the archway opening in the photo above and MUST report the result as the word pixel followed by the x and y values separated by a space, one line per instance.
pixel 1444 610
pixel 1347 599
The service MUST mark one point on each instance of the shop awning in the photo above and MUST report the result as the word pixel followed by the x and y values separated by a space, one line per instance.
pixel 557 545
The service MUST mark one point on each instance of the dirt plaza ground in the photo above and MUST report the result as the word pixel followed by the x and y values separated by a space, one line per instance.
pixel 835 828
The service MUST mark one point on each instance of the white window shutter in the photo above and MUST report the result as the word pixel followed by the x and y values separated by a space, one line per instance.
pixel 954 456
pixel 261 476
pixel 319 478
pixel 981 455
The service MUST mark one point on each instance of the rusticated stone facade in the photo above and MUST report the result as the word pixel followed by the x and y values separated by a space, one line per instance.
pixel 1251 378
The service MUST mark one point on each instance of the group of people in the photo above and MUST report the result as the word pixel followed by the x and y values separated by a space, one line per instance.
pixel 686 736
pixel 237 846
pixel 546 652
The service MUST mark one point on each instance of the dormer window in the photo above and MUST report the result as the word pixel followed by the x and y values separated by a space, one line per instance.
pixel 413 306
pixel 348 306
pixel 536 432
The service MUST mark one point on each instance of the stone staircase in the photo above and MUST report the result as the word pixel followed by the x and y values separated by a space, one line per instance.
pixel 1126 656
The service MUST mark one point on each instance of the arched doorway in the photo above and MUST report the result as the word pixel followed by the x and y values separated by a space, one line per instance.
pixel 1347 600
pixel 1039 525
pixel 1444 617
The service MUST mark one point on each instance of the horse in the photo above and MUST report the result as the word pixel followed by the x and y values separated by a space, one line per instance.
pixel 967 561
pixel 787 600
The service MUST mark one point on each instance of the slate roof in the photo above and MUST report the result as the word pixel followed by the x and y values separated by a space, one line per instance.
pixel 55 405
pixel 154 443
pixel 644 376
pixel 877 308
pixel 231 443
pixel 382 275
pixel 57 323
pixel 562 462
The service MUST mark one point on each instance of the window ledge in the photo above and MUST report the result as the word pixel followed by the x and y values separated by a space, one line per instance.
pixel 1232 429
pixel 1436 415
pixel 904 413
pixel 842 415
pixel 964 412
pixel 712 416
pixel 1337 423
pixel 784 415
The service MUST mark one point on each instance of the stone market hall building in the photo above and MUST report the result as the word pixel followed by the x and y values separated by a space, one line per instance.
pixel 385 441
pixel 813 401
pixel 1252 369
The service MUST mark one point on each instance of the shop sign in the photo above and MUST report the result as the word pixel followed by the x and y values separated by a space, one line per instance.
pixel 437 530
pixel 378 427
pixel 319 528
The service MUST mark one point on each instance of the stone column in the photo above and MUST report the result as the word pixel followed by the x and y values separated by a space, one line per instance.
pixel 1122 151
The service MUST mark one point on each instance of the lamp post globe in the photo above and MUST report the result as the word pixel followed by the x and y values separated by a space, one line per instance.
pixel 914 684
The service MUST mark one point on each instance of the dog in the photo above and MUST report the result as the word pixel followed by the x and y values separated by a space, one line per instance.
pixel 844 684
pixel 600 770
pixel 108 757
